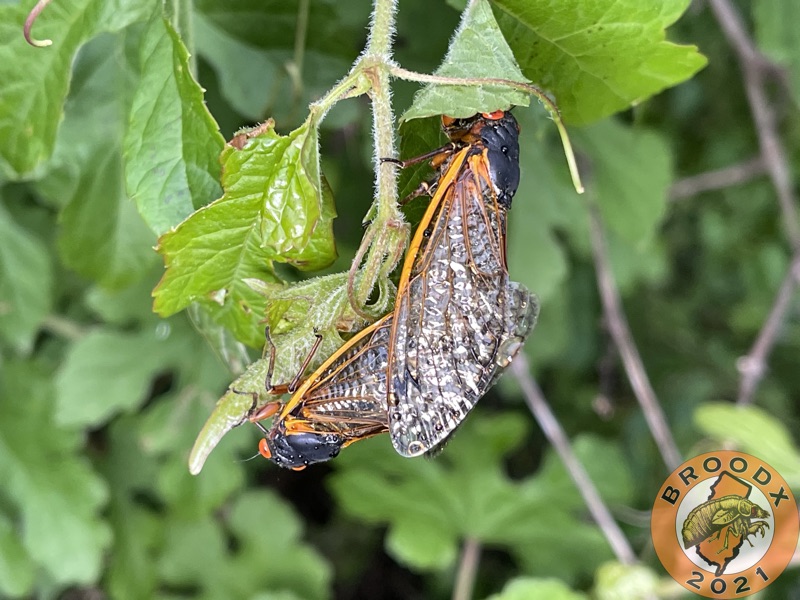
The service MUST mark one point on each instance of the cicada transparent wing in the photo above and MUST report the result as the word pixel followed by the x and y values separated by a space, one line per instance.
pixel 458 319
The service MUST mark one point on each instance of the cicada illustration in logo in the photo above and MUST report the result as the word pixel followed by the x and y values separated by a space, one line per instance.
pixel 725 524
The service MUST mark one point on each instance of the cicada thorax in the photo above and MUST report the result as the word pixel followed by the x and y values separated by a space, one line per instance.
pixel 341 402
pixel 458 319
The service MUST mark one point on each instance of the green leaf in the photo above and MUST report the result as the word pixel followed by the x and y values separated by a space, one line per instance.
pixel 31 108
pixel 635 263
pixel 196 497
pixel 276 596
pixel 545 204
pixel 632 170
pixel 632 582
pixel 275 207
pixel 16 567
pixel 235 62
pixel 271 24
pixel 531 588
pixel 296 316
pixel 131 471
pixel 26 281
pixel 417 137
pixel 778 38
pixel 172 143
pixel 421 544
pixel 553 333
pixel 118 14
pixel 237 50
pixel 292 564
pixel 430 506
pixel 478 49
pixel 101 235
pixel 197 552
pixel 131 304
pixel 233 354
pixel 244 37
pixel 597 58
pixel 131 572
pixel 755 432
pixel 553 496
pixel 56 494
pixel 107 372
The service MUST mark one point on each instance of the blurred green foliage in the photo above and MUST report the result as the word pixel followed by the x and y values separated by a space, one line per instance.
pixel 108 140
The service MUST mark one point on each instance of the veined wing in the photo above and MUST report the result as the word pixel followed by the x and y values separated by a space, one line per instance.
pixel 351 390
pixel 458 318
pixel 342 402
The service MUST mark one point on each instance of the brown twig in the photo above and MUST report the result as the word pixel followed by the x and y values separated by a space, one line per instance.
pixel 467 569
pixel 558 439
pixel 618 327
pixel 754 72
pixel 755 69
pixel 735 174
pixel 753 365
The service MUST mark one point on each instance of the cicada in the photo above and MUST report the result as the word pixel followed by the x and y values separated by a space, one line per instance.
pixel 457 323
pixel 707 521
pixel 458 319
pixel 341 402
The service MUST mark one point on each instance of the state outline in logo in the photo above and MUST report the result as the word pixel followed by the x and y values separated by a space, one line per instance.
pixel 725 524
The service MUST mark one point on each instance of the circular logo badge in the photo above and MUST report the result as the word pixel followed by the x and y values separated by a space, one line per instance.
pixel 725 524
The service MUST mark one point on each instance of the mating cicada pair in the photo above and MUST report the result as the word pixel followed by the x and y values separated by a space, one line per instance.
pixel 458 319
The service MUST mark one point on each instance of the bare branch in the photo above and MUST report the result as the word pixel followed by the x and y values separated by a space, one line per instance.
pixel 467 569
pixel 753 366
pixel 756 68
pixel 618 327
pixel 558 439
pixel 718 179
pixel 754 71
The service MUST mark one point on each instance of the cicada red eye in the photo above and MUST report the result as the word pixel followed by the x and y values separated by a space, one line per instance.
pixel 494 116
pixel 263 449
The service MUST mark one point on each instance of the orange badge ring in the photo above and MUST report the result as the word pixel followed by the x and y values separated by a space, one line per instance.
pixel 725 524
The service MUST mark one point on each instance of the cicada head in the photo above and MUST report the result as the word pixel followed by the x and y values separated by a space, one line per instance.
pixel 297 450
pixel 758 513
pixel 498 132
pixel 501 140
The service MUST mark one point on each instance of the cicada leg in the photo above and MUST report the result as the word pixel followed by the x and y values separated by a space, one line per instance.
pixel 730 529
pixel 437 158
pixel 299 426
pixel 265 412
pixel 270 408
pixel 287 388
